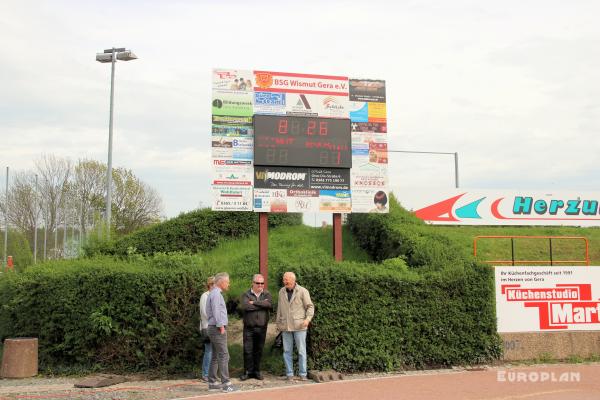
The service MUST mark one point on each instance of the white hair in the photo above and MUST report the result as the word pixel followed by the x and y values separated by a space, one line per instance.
pixel 221 276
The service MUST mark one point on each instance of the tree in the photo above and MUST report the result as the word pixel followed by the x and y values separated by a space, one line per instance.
pixel 53 175
pixel 23 204
pixel 135 204
pixel 87 190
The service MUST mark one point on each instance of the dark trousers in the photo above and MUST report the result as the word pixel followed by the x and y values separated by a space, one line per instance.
pixel 254 341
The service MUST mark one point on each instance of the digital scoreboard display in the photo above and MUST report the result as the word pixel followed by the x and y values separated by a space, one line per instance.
pixel 285 140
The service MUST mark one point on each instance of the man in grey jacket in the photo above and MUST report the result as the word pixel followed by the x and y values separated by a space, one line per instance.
pixel 216 311
pixel 294 312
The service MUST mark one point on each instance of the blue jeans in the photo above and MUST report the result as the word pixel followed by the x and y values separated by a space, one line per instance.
pixel 288 351
pixel 206 358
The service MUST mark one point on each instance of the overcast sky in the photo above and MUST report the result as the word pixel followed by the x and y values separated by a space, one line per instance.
pixel 512 86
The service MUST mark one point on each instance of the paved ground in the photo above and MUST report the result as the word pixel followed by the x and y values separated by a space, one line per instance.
pixel 548 382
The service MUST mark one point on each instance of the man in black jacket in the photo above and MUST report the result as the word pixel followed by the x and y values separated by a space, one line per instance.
pixel 255 304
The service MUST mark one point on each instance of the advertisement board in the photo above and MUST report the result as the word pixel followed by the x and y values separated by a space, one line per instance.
pixel 303 121
pixel 547 298
pixel 502 207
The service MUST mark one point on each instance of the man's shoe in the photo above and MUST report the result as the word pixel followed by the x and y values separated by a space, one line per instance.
pixel 244 377
pixel 303 378
pixel 259 376
pixel 215 386
pixel 289 378
pixel 205 379
pixel 230 388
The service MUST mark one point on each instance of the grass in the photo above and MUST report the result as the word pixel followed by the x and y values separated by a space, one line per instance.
pixel 288 246
pixel 526 249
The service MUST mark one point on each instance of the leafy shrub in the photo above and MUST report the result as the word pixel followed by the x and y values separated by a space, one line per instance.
pixel 385 319
pixel 106 313
pixel 193 232
pixel 401 234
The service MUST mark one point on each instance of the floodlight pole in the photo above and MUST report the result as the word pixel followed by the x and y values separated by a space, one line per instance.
pixel 110 143
pixel 455 154
pixel 6 222
pixel 35 221
pixel 125 55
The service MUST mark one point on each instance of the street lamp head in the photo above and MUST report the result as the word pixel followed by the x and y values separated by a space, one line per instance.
pixel 126 55
pixel 121 53
pixel 103 58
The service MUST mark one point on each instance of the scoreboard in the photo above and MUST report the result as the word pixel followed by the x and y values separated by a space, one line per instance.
pixel 299 141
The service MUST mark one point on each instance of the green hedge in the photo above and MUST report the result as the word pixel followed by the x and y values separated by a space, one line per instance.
pixel 193 232
pixel 107 314
pixel 401 234
pixel 380 319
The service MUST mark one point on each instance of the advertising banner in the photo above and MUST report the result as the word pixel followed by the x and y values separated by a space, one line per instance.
pixel 370 200
pixel 224 125
pixel 542 299
pixel 232 198
pixel 233 103
pixel 290 200
pixel 338 201
pixel 369 90
pixel 502 207
pixel 369 127
pixel 232 175
pixel 269 103
pixel 287 82
pixel 237 148
pixel 231 79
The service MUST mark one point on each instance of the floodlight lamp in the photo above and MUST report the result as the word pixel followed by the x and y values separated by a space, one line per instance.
pixel 126 55
pixel 103 58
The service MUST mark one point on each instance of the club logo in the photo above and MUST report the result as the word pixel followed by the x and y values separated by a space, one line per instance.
pixel 264 80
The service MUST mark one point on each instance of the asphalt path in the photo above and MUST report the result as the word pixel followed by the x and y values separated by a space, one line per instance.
pixel 551 382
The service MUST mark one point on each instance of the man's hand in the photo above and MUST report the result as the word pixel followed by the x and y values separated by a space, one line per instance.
pixel 251 302
pixel 222 329
pixel 305 323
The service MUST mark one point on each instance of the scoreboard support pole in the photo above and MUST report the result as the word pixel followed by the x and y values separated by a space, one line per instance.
pixel 337 236
pixel 263 245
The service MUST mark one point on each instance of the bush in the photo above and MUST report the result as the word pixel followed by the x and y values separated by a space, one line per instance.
pixel 385 319
pixel 401 234
pixel 193 232
pixel 107 314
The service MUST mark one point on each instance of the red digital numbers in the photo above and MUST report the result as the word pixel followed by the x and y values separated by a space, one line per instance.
pixel 283 126
pixel 323 128
pixel 297 128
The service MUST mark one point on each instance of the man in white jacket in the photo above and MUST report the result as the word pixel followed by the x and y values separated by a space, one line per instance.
pixel 295 310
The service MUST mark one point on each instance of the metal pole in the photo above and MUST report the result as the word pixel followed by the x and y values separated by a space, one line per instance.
pixel 512 250
pixel 35 222
pixel 263 246
pixel 110 140
pixel 6 222
pixel 455 154
pixel 64 234
pixel 56 236
pixel 45 236
pixel 456 169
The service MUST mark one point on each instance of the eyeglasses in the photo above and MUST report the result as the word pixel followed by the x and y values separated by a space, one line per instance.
pixel 259 283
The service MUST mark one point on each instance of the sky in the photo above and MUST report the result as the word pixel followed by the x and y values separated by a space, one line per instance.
pixel 513 87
